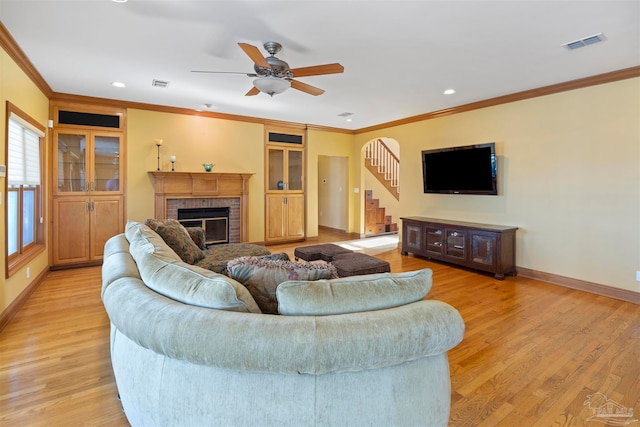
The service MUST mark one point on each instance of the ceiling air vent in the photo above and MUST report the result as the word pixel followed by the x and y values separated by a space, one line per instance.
pixel 160 83
pixel 596 38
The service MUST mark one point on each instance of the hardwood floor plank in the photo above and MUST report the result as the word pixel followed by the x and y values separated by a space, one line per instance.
pixel 532 353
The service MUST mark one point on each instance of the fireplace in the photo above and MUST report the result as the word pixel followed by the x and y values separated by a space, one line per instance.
pixel 185 190
pixel 214 222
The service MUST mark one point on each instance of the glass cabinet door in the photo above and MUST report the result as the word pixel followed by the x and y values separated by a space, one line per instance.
pixel 87 162
pixel 275 157
pixel 72 162
pixel 285 169
pixel 455 244
pixel 294 170
pixel 106 161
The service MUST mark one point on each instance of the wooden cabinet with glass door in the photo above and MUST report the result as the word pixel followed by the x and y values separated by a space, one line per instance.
pixel 284 180
pixel 88 196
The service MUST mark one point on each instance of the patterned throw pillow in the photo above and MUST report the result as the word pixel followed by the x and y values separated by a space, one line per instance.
pixel 198 236
pixel 262 276
pixel 177 238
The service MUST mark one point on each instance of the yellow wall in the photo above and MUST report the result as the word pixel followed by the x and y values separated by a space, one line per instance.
pixel 17 88
pixel 236 147
pixel 569 178
pixel 322 143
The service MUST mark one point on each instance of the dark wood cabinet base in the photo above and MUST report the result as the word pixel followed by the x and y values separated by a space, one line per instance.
pixel 483 247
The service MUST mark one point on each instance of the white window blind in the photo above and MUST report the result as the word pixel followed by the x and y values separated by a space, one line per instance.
pixel 23 165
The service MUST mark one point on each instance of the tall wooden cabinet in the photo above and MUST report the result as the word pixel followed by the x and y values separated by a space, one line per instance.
pixel 285 185
pixel 88 182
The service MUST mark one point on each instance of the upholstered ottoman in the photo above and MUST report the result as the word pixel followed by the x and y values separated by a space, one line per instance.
pixel 355 264
pixel 325 252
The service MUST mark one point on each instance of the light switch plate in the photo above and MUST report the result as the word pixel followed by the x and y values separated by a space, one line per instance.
pixel 3 171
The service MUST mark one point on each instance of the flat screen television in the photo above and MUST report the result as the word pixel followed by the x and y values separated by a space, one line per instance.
pixel 469 169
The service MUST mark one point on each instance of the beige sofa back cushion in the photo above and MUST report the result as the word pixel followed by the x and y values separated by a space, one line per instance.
pixel 139 234
pixel 182 282
pixel 352 294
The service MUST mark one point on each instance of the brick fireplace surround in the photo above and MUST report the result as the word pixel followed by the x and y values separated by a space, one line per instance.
pixel 174 190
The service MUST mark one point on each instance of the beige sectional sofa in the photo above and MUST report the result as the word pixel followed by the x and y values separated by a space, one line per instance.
pixel 190 347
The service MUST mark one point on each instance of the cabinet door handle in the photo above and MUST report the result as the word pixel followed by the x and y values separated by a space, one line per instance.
pixel 86 206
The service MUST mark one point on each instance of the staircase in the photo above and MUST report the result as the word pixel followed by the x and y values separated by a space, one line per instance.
pixel 375 220
pixel 384 165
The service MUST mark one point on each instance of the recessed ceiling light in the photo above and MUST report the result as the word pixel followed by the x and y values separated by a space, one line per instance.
pixel 349 119
pixel 449 91
pixel 119 1
pixel 118 84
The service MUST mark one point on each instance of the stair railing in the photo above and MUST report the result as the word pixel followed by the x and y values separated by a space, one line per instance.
pixel 386 163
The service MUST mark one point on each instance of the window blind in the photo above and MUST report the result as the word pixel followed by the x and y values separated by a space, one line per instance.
pixel 23 165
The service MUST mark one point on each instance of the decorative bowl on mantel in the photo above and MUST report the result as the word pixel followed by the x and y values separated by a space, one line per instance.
pixel 208 166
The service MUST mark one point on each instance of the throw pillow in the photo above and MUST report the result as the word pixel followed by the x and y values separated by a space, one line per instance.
pixel 198 236
pixel 353 294
pixel 262 276
pixel 178 239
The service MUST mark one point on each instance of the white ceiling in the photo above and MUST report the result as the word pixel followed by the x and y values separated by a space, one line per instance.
pixel 399 56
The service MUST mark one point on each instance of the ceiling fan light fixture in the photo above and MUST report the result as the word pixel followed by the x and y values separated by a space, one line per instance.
pixel 271 85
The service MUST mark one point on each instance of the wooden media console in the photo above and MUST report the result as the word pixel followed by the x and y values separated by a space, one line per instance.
pixel 484 247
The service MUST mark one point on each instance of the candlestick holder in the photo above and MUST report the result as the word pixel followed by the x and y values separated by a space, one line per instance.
pixel 173 162
pixel 158 145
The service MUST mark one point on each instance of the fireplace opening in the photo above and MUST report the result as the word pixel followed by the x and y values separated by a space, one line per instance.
pixel 214 222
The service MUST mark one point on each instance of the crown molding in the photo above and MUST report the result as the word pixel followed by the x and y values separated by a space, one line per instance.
pixel 10 46
pixel 599 79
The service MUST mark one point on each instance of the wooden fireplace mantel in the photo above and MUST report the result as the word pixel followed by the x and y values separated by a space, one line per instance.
pixel 186 185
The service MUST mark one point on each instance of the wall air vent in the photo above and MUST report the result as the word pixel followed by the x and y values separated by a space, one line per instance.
pixel 160 83
pixel 596 38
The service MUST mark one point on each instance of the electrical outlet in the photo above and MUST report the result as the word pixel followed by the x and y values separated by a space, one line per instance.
pixel 638 276
pixel 28 272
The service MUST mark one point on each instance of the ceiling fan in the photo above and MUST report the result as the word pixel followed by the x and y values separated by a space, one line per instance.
pixel 273 75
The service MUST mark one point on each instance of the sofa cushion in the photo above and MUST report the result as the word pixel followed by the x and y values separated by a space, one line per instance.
pixel 178 239
pixel 352 294
pixel 262 276
pixel 193 285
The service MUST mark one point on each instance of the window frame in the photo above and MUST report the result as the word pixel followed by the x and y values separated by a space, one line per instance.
pixel 25 253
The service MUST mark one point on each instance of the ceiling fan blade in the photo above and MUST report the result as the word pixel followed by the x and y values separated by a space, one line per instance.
pixel 253 91
pixel 311 90
pixel 225 72
pixel 317 70
pixel 255 55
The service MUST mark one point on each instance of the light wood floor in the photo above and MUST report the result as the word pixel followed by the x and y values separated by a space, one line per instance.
pixel 532 353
